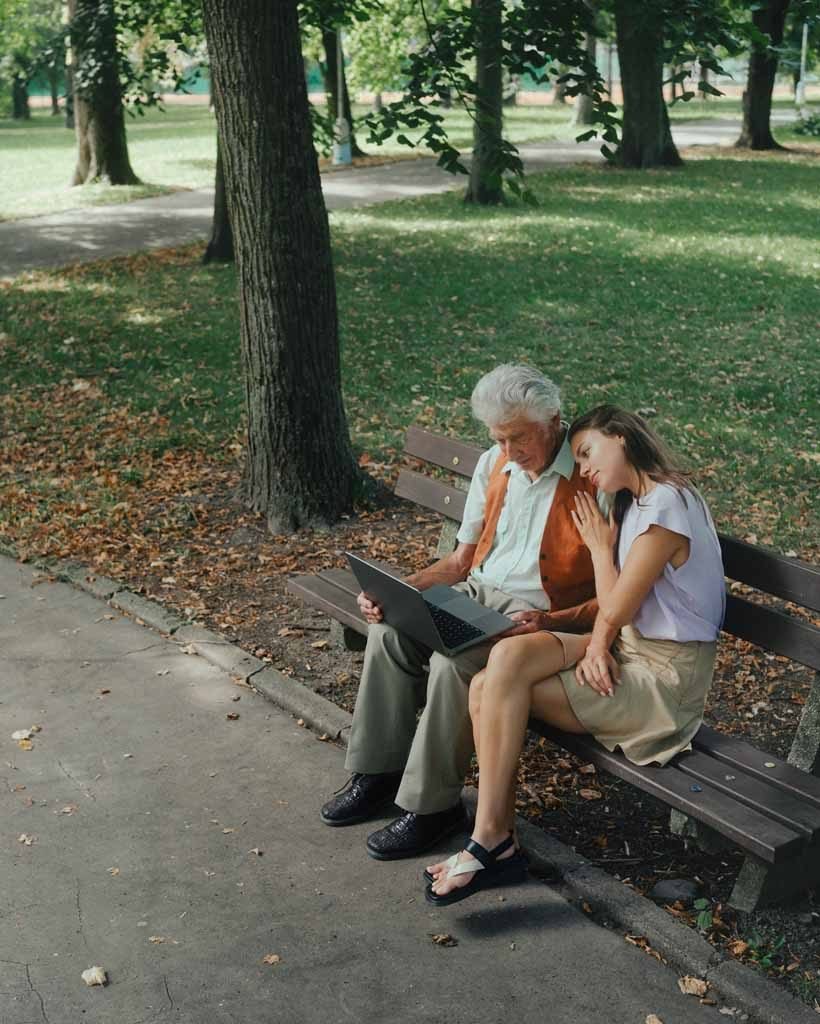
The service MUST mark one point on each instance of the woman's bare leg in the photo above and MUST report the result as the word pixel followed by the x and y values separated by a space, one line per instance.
pixel 516 670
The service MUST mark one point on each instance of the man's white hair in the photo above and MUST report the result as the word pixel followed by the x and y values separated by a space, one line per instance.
pixel 513 390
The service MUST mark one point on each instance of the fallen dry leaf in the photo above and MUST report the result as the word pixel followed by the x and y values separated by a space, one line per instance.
pixel 68 809
pixel 26 839
pixel 319 644
pixel 300 722
pixel 21 734
pixel 227 831
pixel 652 1018
pixel 692 986
pixel 113 871
pixel 94 976
pixel 25 744
pixel 36 728
pixel 232 716
pixel 272 958
pixel 588 769
pixel 590 794
pixel 257 851
pixel 737 947
pixel 444 939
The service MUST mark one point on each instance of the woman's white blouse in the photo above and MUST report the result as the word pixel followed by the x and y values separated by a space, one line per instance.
pixel 687 603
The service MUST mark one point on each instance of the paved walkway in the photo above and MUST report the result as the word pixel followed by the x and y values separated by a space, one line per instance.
pixel 176 849
pixel 100 231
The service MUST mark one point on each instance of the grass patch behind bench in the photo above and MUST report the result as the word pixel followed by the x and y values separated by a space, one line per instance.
pixel 692 294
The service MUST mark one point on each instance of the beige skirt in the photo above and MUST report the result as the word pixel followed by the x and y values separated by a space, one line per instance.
pixel 658 706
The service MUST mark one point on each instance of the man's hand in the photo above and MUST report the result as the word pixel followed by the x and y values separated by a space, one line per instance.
pixel 528 622
pixel 371 611
pixel 598 670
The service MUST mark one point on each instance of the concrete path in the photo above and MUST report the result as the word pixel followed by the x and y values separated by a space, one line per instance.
pixel 100 231
pixel 147 833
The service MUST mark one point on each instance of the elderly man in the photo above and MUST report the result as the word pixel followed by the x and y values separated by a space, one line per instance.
pixel 519 553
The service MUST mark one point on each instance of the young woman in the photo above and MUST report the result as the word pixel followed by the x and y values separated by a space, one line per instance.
pixel 640 678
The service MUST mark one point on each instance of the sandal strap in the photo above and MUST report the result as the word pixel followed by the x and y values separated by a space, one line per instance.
pixel 488 858
pixel 462 867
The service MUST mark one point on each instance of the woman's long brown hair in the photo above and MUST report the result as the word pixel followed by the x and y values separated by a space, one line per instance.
pixel 644 451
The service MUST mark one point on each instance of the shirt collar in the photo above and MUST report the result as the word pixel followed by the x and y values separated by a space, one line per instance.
pixel 563 462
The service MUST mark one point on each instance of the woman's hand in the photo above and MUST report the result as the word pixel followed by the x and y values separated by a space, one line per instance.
pixel 598 670
pixel 597 533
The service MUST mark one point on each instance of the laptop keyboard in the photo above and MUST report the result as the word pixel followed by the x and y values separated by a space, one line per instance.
pixel 453 631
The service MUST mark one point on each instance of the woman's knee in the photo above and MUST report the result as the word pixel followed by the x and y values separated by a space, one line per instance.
pixel 505 658
pixel 476 693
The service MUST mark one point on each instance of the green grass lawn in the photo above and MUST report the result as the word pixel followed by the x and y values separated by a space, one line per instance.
pixel 693 294
pixel 176 149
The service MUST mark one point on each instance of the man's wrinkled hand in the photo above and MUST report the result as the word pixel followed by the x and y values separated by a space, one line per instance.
pixel 527 622
pixel 371 611
pixel 598 670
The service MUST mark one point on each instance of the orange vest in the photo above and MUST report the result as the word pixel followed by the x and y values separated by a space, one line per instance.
pixel 566 565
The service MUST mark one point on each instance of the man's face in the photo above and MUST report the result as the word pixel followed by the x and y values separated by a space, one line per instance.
pixel 531 445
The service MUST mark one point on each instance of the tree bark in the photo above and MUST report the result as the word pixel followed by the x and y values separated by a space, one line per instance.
pixel 646 139
pixel 54 89
pixel 220 245
pixel 330 72
pixel 19 99
pixel 299 469
pixel 756 132
pixel 102 149
pixel 69 96
pixel 486 185
pixel 582 108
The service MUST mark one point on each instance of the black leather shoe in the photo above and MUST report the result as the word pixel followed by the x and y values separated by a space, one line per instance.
pixel 412 834
pixel 361 798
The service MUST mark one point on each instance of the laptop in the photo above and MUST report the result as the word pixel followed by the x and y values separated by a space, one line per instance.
pixel 440 617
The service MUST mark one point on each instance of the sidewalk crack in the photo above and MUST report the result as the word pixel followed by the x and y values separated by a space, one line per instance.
pixel 76 782
pixel 36 993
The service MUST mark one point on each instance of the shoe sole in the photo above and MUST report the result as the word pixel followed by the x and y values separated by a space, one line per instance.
pixel 459 826
pixel 374 812
pixel 479 883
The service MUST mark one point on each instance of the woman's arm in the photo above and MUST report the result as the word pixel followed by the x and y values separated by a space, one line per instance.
pixel 620 595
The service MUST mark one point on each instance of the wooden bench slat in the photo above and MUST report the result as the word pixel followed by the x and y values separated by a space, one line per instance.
pixel 442 451
pixel 343 579
pixel 739 754
pixel 771 572
pixel 792 811
pixel 432 494
pixel 330 599
pixel 773 630
pixel 770 840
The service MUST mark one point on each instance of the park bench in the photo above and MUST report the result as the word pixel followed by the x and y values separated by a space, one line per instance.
pixel 724 791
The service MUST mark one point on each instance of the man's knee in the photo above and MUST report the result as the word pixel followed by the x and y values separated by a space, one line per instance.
pixel 445 674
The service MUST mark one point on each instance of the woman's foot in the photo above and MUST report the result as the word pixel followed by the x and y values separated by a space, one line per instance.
pixel 445 878
pixel 432 871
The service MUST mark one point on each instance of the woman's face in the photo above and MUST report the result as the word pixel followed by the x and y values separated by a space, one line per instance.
pixel 603 460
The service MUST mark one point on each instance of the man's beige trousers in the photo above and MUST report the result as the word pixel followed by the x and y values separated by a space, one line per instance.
pixel 395 683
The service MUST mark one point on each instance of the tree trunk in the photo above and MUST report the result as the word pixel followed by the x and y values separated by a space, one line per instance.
pixel 486 185
pixel 300 469
pixel 220 245
pixel 54 89
pixel 559 94
pixel 582 108
pixel 69 96
pixel 646 139
pixel 102 150
pixel 19 99
pixel 757 99
pixel 378 103
pixel 330 72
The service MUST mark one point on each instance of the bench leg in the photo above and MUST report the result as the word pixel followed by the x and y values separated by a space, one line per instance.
pixel 760 884
pixel 805 752
pixel 347 637
pixel 691 830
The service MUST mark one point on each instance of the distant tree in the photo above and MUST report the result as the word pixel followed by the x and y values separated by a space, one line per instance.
pixel 123 53
pixel 30 43
pixel 299 467
pixel 99 118
pixel 220 245
pixel 768 19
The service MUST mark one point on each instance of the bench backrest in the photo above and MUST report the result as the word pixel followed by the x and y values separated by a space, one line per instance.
pixel 765 571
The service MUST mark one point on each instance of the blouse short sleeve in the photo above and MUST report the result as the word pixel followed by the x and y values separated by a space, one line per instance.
pixel 688 602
